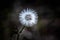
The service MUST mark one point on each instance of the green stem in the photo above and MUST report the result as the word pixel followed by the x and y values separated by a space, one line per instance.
pixel 19 31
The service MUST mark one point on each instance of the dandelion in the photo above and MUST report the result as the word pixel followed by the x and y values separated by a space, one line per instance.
pixel 28 17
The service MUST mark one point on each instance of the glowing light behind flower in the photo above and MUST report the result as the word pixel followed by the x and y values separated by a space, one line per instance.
pixel 28 17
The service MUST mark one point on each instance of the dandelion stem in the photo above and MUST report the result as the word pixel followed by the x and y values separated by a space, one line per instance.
pixel 19 31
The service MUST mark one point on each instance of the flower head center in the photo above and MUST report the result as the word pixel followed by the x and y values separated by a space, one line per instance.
pixel 28 17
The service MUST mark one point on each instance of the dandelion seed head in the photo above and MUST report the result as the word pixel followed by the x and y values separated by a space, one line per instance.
pixel 28 17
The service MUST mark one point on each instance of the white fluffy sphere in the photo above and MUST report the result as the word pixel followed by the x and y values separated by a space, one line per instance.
pixel 28 17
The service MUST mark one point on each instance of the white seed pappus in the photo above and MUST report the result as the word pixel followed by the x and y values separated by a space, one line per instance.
pixel 28 17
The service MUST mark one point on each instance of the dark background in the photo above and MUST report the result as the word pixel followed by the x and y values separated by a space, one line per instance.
pixel 7 27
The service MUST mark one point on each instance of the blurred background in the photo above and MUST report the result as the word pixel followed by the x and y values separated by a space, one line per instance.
pixel 47 28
